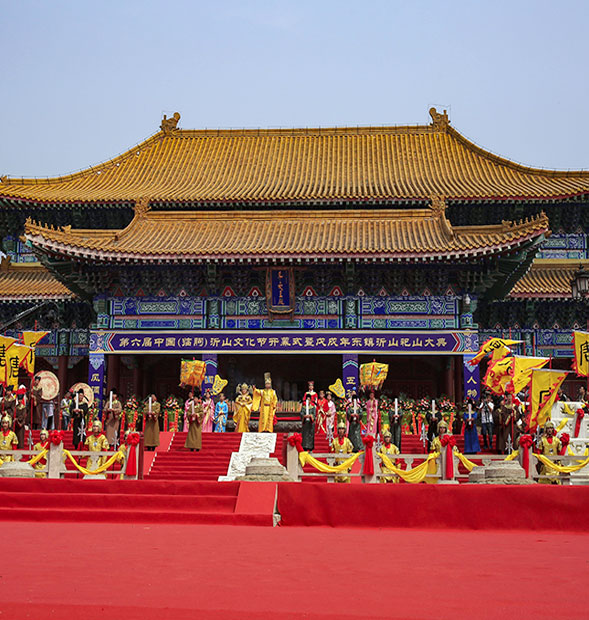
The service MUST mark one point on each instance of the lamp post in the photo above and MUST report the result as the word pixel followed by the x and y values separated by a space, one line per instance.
pixel 580 284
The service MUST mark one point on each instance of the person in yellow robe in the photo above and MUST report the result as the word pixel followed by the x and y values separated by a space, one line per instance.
pixel 266 401
pixel 97 442
pixel 243 409
pixel 341 445
pixel 548 445
pixel 436 446
pixel 389 449
pixel 8 439
pixel 43 444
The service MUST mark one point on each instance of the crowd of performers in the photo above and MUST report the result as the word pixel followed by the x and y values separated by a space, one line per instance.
pixel 499 421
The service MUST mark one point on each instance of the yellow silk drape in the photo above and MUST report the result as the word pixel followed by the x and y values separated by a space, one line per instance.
pixel 413 476
pixel 306 459
pixel 111 461
pixel 563 469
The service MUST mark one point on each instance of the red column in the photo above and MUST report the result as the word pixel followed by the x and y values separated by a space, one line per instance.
pixel 449 378
pixel 113 373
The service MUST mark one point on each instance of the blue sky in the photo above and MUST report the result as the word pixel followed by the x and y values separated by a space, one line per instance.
pixel 84 80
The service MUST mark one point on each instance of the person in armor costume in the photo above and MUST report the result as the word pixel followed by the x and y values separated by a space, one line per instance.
pixel 112 419
pixel 96 442
pixel 243 409
pixel 151 434
pixel 79 412
pixel 308 415
pixel 372 415
pixel 194 417
pixel 436 446
pixel 354 423
pixel 503 419
pixel 8 439
pixel 548 445
pixel 341 445
pixel 208 407
pixel 43 444
pixel 389 449
pixel 395 426
pixel 266 402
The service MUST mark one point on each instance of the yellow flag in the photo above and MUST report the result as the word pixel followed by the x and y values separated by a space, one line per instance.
pixel 521 371
pixel 498 375
pixel 489 346
pixel 338 389
pixel 5 343
pixel 30 339
pixel 545 384
pixel 373 375
pixel 581 346
pixel 15 357
pixel 192 372
pixel 218 385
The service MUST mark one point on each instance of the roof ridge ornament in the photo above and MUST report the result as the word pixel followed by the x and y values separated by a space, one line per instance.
pixel 169 125
pixel 142 207
pixel 438 205
pixel 440 122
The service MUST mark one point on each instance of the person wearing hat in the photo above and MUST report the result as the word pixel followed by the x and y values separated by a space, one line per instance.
pixel 112 414
pixel 341 445
pixel 8 439
pixel 243 411
pixel 308 415
pixel 43 444
pixel 97 442
pixel 388 448
pixel 9 401
pixel 37 401
pixel 548 445
pixel 436 446
pixel 266 401
pixel 79 411
pixel 194 418
pixel 20 420
pixel 151 429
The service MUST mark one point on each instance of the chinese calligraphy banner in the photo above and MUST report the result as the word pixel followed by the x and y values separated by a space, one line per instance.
pixel 280 290
pixel 282 341
pixel 581 347
pixel 472 379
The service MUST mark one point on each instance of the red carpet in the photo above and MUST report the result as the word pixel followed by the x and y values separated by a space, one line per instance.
pixel 474 507
pixel 208 464
pixel 185 572
pixel 142 501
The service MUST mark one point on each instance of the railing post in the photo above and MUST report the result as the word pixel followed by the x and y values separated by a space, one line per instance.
pixel 292 463
pixel 448 452
pixel 372 479
pixel 55 461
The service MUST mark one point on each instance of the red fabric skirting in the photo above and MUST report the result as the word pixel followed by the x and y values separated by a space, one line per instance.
pixel 473 507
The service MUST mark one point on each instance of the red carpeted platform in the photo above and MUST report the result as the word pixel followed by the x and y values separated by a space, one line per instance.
pixel 141 501
pixel 474 507
pixel 97 571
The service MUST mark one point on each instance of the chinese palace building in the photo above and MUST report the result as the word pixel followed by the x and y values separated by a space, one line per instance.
pixel 302 252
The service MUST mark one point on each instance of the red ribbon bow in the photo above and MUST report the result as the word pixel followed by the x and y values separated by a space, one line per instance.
pixel 368 441
pixel 580 416
pixel 564 441
pixel 449 441
pixel 56 437
pixel 132 441
pixel 526 442
pixel 296 440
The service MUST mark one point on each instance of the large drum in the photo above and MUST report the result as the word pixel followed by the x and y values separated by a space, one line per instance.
pixel 88 393
pixel 49 384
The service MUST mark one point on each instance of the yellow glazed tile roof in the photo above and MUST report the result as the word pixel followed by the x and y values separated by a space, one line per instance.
pixel 548 278
pixel 338 164
pixel 261 235
pixel 24 281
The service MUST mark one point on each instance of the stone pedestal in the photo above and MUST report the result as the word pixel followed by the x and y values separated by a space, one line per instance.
pixel 265 470
pixel 17 469
pixel 499 472
pixel 253 445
